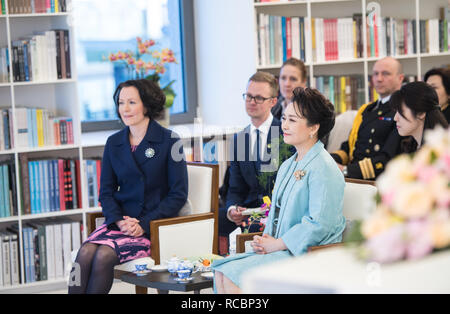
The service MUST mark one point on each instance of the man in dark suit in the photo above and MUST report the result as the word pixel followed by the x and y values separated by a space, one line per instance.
pixel 374 138
pixel 254 152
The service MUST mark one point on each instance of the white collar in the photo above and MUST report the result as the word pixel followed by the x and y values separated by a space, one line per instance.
pixel 385 99
pixel 263 128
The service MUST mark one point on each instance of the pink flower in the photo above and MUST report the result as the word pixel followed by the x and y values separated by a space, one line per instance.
pixel 389 246
pixel 426 174
pixel 387 198
pixel 419 239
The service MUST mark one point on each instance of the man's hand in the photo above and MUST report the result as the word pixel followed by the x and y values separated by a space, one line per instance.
pixel 236 214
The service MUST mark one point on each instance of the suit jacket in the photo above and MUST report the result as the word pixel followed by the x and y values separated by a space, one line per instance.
pixel 377 142
pixel 277 110
pixel 147 186
pixel 244 188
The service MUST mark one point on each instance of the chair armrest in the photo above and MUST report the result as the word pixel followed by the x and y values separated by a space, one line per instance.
pixel 91 217
pixel 154 231
pixel 360 181
pixel 242 238
pixel 325 246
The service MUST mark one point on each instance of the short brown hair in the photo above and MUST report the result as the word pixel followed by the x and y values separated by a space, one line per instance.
pixel 265 77
pixel 298 64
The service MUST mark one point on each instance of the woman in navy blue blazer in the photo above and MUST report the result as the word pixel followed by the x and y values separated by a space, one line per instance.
pixel 143 178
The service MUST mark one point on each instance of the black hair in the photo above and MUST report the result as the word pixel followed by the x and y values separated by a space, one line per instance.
pixel 419 97
pixel 150 93
pixel 315 108
pixel 444 74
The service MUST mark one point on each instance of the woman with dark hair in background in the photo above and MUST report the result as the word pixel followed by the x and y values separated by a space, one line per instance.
pixel 439 79
pixel 417 109
pixel 140 181
pixel 307 199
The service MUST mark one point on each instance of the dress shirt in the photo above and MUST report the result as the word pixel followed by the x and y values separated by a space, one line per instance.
pixel 263 133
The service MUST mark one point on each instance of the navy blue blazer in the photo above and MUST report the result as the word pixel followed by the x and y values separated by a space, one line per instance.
pixel 151 185
pixel 244 188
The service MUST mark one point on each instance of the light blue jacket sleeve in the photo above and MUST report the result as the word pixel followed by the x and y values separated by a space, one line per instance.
pixel 325 222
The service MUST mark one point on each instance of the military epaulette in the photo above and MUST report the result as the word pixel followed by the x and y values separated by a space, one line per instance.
pixel 367 169
pixel 355 129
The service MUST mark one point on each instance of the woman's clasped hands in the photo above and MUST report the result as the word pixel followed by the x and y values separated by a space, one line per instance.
pixel 130 226
pixel 266 244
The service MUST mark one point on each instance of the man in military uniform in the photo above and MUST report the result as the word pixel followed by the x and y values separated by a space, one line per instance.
pixel 374 139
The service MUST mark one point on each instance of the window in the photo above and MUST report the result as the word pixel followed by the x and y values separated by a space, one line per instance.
pixel 104 27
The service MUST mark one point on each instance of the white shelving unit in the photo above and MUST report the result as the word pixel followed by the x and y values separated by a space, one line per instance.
pixel 58 96
pixel 414 64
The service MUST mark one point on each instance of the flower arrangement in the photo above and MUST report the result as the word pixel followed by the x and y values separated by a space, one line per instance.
pixel 412 218
pixel 256 222
pixel 149 64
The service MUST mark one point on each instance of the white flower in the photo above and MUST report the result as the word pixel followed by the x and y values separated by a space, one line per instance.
pixel 398 172
pixel 413 200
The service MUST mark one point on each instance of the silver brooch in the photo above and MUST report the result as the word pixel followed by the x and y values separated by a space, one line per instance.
pixel 149 153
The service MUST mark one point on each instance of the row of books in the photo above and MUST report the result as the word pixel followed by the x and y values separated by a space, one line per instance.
pixel 341 39
pixel 35 128
pixel 50 185
pixel 348 92
pixel 38 127
pixel 4 65
pixel 9 258
pixel 280 38
pixel 46 245
pixel 8 189
pixel 37 6
pixel 47 249
pixel 42 57
pixel 344 92
pixel 390 36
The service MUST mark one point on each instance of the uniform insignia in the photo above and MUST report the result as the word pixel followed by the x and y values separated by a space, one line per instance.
pixel 377 147
pixel 149 152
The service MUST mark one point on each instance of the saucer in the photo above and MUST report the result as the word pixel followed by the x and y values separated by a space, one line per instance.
pixel 159 268
pixel 208 275
pixel 183 280
pixel 142 272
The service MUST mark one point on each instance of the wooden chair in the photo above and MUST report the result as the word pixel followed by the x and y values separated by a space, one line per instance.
pixel 358 203
pixel 194 234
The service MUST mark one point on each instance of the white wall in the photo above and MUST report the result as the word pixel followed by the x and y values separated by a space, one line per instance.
pixel 226 58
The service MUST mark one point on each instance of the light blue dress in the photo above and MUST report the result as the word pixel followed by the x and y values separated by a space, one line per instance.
pixel 310 211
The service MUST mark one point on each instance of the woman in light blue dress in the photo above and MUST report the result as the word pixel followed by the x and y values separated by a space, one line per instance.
pixel 307 199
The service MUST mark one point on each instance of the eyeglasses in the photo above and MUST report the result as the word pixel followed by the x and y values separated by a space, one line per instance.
pixel 258 99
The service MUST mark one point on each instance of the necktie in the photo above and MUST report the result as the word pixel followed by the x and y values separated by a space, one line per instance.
pixel 257 147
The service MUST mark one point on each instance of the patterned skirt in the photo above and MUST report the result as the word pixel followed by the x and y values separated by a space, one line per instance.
pixel 126 247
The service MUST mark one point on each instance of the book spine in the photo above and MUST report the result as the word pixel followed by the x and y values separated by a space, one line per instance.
pixel 68 195
pixel 62 204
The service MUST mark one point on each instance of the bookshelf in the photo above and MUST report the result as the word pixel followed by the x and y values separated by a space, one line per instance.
pixel 53 90
pixel 415 62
